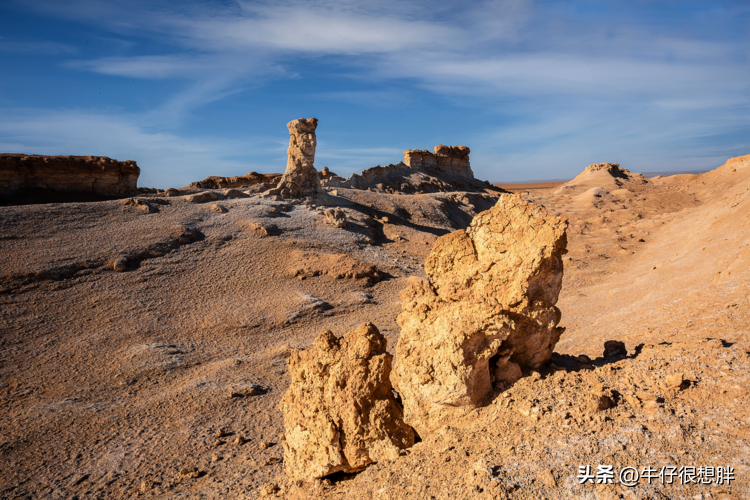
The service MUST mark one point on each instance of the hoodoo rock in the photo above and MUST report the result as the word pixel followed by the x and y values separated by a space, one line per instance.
pixel 450 159
pixel 486 312
pixel 339 411
pixel 38 176
pixel 300 177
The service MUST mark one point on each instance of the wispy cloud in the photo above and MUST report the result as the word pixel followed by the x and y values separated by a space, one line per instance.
pixel 563 78
pixel 166 159
pixel 152 67
pixel 479 49
pixel 316 30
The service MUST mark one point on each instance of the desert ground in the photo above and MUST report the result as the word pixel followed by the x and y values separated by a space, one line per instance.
pixel 144 343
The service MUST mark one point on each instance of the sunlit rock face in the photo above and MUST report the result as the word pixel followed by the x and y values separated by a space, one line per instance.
pixel 485 313
pixel 300 178
pixel 84 175
pixel 449 159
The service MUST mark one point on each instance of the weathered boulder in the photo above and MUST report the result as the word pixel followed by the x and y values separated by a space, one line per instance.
pixel 486 312
pixel 255 230
pixel 335 217
pixel 339 410
pixel 300 177
pixel 137 204
pixel 450 159
pixel 93 176
pixel 203 197
pixel 325 173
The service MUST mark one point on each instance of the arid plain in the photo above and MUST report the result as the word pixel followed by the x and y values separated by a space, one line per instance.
pixel 145 341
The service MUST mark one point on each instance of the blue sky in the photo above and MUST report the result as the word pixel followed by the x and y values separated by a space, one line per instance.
pixel 536 89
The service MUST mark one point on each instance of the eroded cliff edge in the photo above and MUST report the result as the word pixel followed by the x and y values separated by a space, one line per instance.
pixel 38 178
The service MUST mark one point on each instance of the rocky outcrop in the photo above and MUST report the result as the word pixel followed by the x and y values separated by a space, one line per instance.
pixel 300 177
pixel 88 177
pixel 611 168
pixel 486 312
pixel 334 217
pixel 450 159
pixel 445 170
pixel 339 266
pixel 241 181
pixel 339 411
pixel 403 179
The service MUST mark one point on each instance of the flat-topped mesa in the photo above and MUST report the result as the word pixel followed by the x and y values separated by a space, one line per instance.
pixel 36 176
pixel 300 177
pixel 449 159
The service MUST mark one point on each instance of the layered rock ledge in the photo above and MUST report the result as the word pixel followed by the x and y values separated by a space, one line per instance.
pixel 449 159
pixel 88 177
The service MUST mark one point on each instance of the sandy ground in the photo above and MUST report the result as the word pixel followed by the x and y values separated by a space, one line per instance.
pixel 135 383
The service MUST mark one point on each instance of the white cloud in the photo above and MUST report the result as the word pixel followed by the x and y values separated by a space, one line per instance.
pixel 566 87
pixel 152 67
pixel 315 30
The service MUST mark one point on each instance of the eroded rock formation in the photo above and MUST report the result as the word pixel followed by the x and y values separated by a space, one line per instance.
pixel 445 170
pixel 612 168
pixel 450 159
pixel 241 181
pixel 300 177
pixel 486 312
pixel 87 176
pixel 339 411
pixel 408 180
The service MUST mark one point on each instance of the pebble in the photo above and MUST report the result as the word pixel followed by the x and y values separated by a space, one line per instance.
pixel 674 381
pixel 269 490
pixel 192 472
pixel 244 390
